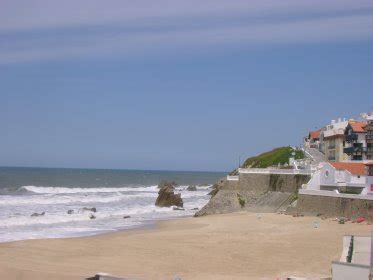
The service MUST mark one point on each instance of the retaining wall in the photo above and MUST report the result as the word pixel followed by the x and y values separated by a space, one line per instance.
pixel 269 191
pixel 334 206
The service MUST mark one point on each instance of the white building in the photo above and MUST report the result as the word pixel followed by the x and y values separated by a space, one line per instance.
pixel 332 140
pixel 342 178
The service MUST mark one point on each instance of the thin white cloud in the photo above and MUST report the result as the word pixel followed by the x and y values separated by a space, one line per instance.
pixel 35 30
pixel 31 14
pixel 347 28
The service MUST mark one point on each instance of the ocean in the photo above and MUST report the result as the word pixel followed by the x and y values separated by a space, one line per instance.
pixel 114 194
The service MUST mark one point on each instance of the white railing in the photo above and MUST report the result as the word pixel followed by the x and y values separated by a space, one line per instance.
pixel 232 178
pixel 274 171
pixel 335 194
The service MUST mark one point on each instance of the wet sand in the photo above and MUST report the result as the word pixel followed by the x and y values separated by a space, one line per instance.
pixel 229 246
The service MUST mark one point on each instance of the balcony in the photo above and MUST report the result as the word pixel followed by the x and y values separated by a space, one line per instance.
pixel 354 150
pixel 351 137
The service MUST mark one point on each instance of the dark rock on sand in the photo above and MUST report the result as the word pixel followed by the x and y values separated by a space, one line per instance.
pixel 126 217
pixel 91 216
pixel 192 188
pixel 38 214
pixel 167 197
pixel 70 212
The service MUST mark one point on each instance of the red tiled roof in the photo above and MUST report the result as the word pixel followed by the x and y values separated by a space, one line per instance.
pixel 355 168
pixel 315 134
pixel 357 126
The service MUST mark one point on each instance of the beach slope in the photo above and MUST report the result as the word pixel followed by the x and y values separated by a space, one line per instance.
pixel 227 246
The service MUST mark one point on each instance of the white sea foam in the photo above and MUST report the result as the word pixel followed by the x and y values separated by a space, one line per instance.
pixel 51 218
pixel 69 199
pixel 112 204
pixel 61 190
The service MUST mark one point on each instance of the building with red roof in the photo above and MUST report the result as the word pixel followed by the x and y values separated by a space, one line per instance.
pixel 342 178
pixel 355 140
pixel 313 139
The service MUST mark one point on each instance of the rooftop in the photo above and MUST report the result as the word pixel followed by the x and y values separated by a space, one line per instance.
pixel 315 134
pixel 357 126
pixel 355 168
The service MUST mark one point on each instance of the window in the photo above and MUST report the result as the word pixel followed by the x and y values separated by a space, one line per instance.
pixel 327 173
pixel 370 170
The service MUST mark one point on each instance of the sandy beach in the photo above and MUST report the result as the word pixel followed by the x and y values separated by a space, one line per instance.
pixel 230 246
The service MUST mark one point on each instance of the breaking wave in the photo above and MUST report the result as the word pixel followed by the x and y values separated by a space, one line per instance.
pixel 62 190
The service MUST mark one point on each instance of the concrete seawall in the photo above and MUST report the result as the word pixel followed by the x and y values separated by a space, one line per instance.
pixel 334 206
pixel 254 192
pixel 263 183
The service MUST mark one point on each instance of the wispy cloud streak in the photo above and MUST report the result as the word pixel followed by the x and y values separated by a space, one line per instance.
pixel 136 31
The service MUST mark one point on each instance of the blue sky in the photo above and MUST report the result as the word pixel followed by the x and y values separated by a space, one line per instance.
pixel 177 85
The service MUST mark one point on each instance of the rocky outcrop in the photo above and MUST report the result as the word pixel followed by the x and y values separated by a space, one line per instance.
pixel 167 184
pixel 70 212
pixel 253 192
pixel 92 217
pixel 216 187
pixel 167 197
pixel 192 188
pixel 225 201
pixel 37 214
pixel 91 209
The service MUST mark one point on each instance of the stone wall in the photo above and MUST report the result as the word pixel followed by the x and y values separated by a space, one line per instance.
pixel 263 183
pixel 333 206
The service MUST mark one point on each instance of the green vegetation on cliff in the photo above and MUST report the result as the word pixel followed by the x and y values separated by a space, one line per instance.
pixel 273 158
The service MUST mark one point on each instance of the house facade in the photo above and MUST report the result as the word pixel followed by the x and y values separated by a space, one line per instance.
pixel 343 177
pixel 332 140
pixel 313 139
pixel 355 141
pixel 369 137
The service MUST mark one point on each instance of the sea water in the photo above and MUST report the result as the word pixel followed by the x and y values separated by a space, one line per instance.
pixel 114 193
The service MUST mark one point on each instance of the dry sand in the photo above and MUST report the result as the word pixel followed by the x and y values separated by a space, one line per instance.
pixel 231 246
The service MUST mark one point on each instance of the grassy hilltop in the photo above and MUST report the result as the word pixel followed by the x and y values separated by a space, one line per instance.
pixel 277 156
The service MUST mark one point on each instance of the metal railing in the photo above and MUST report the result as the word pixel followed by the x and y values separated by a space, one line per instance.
pixel 351 137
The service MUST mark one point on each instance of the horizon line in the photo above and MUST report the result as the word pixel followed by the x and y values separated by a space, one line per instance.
pixel 118 169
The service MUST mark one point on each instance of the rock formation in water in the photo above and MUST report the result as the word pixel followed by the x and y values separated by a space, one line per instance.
pixel 167 197
pixel 38 214
pixel 192 188
pixel 167 184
